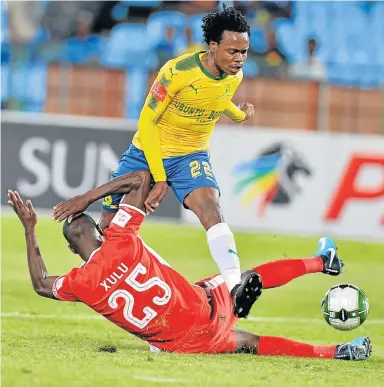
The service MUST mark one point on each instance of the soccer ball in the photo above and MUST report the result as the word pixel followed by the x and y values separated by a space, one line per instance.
pixel 345 307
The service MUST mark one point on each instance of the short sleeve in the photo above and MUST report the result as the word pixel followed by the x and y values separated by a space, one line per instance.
pixel 63 287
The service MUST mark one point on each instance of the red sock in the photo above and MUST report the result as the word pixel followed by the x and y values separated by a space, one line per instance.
pixel 280 272
pixel 278 346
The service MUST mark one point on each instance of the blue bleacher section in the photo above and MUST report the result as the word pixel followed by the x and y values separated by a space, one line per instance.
pixel 158 23
pixel 350 39
pixel 4 54
pixel 83 50
pixel 195 22
pixel 120 11
pixel 142 3
pixel 349 34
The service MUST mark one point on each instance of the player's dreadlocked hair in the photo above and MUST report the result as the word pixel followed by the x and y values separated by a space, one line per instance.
pixel 229 19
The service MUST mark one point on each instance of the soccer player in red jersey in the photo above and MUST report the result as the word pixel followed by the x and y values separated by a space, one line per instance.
pixel 129 284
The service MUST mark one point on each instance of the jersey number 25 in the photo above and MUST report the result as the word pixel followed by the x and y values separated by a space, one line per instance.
pixel 149 313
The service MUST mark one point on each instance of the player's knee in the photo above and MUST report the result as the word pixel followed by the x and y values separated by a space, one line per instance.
pixel 141 182
pixel 141 178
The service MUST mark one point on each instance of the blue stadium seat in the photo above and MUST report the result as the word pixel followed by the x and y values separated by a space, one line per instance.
pixel 135 91
pixel 127 46
pixel 28 85
pixel 258 43
pixel 336 73
pixel 370 76
pixel 381 75
pixel 195 22
pixel 4 82
pixel 158 23
pixel 36 87
pixel 42 36
pixel 120 11
pixel 350 38
pixel 250 69
pixel 142 3
pixel 288 41
pixel 4 23
pixel 83 51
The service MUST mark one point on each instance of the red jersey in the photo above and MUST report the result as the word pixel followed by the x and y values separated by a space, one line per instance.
pixel 133 287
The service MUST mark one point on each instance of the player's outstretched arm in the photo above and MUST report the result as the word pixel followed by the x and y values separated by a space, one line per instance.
pixel 239 113
pixel 122 185
pixel 42 283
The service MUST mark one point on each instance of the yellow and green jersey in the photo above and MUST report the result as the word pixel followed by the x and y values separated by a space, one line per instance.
pixel 182 109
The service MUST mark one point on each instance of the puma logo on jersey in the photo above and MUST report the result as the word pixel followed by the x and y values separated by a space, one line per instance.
pixel 195 89
pixel 172 73
pixel 226 94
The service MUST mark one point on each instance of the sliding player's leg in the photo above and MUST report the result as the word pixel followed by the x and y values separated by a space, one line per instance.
pixel 358 349
pixel 280 272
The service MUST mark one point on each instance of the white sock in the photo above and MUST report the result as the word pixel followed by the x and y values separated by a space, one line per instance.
pixel 223 249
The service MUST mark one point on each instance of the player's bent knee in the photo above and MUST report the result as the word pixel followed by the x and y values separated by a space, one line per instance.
pixel 142 178
pixel 141 181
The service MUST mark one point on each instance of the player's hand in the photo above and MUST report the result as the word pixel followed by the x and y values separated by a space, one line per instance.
pixel 156 195
pixel 65 209
pixel 25 212
pixel 248 109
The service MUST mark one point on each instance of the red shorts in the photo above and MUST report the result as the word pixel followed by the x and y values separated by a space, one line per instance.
pixel 214 333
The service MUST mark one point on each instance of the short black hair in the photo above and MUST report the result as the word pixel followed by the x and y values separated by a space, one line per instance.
pixel 229 19
pixel 79 227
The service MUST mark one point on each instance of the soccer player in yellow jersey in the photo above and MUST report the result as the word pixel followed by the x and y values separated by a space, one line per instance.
pixel 189 95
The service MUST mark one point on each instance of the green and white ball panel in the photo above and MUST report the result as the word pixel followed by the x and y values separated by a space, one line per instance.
pixel 345 307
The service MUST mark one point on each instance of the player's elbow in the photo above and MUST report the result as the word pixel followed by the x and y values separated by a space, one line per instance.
pixel 38 287
pixel 43 292
pixel 39 290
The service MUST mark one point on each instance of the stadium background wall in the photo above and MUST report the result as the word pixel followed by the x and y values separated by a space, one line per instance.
pixel 300 182
pixel 51 158
pixel 288 181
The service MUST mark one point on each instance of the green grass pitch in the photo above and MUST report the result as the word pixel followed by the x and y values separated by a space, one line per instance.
pixel 47 343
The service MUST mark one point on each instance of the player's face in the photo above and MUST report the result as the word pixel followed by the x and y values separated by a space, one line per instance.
pixel 232 51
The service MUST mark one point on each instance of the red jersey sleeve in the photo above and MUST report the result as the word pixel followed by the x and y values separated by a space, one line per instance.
pixel 63 288
pixel 127 220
